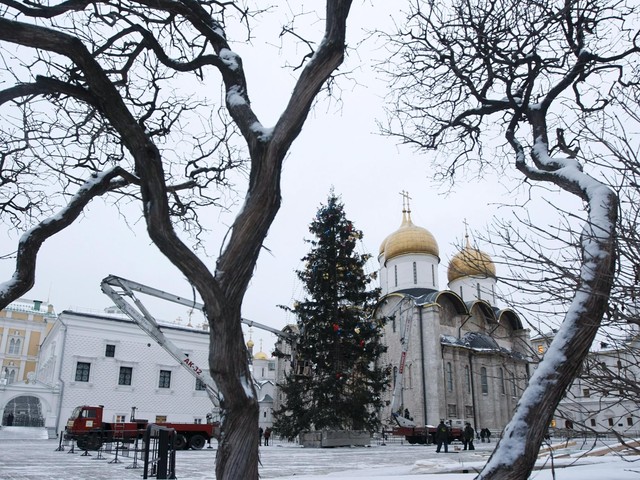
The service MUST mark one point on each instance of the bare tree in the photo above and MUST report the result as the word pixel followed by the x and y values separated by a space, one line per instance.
pixel 92 104
pixel 523 69
pixel 543 274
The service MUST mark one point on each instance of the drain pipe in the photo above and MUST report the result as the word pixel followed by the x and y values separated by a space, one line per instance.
pixel 61 396
pixel 473 393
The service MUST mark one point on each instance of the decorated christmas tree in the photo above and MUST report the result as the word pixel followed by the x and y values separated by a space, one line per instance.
pixel 335 381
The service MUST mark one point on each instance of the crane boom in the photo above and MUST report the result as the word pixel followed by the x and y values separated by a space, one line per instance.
pixel 148 324
pixel 131 286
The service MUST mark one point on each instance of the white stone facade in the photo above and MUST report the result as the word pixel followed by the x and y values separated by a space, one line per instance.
pixel 595 404
pixel 464 363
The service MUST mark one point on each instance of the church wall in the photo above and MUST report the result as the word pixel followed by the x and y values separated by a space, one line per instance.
pixel 487 404
pixel 457 393
pixel 495 408
pixel 452 396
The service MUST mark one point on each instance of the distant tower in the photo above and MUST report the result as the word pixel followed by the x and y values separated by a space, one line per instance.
pixel 250 344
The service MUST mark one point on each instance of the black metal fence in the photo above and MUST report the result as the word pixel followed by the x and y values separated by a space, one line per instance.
pixel 154 453
pixel 159 452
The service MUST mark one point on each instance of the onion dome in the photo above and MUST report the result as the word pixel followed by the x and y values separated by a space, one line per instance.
pixel 260 356
pixel 409 238
pixel 470 262
pixel 250 344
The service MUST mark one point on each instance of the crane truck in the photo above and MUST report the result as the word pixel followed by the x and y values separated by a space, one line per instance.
pixel 88 428
pixel 406 427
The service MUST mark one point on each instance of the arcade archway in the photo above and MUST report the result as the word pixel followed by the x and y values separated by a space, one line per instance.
pixel 23 411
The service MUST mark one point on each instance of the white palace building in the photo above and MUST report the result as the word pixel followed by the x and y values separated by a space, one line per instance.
pixel 53 363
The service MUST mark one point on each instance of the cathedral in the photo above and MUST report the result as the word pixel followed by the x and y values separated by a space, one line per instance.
pixel 454 354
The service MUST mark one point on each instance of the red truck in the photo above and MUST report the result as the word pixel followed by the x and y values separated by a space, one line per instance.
pixel 424 435
pixel 87 427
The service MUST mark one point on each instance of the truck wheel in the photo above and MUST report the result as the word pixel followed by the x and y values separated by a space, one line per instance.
pixel 197 442
pixel 411 440
pixel 93 442
pixel 180 442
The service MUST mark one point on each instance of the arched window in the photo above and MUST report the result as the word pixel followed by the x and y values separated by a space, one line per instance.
pixel 467 378
pixel 415 273
pixel 501 374
pixel 449 377
pixel 514 386
pixel 484 381
pixel 395 375
pixel 395 274
pixel 478 290
pixel 14 346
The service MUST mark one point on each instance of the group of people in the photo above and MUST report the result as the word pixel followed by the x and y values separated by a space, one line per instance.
pixel 443 434
pixel 485 433
pixel 264 433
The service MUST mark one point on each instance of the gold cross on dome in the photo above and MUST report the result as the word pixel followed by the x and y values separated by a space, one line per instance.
pixel 405 201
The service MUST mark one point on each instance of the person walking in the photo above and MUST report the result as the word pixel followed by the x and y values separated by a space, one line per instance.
pixel 267 436
pixel 482 434
pixel 260 432
pixel 468 434
pixel 442 437
pixel 488 435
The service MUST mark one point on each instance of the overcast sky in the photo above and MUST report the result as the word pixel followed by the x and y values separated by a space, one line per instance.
pixel 339 147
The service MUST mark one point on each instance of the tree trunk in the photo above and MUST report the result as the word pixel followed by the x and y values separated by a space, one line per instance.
pixel 237 456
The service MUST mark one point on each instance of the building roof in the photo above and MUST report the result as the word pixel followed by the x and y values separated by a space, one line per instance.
pixel 37 307
pixel 479 342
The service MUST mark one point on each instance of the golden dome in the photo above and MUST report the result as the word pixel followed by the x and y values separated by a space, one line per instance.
pixel 260 356
pixel 409 238
pixel 470 262
pixel 250 343
pixel 382 245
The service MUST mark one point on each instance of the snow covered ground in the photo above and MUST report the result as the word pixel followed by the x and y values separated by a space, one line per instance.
pixel 27 454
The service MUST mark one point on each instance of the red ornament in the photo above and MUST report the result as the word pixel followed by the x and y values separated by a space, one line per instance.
pixel 336 327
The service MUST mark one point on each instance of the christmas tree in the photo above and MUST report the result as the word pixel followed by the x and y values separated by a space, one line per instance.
pixel 335 381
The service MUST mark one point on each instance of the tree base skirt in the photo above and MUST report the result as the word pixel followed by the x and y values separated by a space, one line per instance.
pixel 335 438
